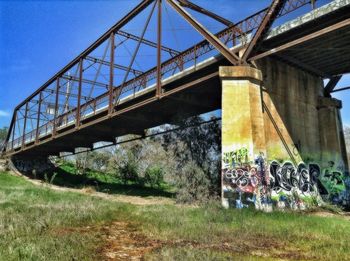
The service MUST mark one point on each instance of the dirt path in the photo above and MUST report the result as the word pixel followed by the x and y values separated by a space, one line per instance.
pixel 136 200
pixel 124 242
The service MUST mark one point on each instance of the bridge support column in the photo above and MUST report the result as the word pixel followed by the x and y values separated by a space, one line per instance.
pixel 333 148
pixel 244 180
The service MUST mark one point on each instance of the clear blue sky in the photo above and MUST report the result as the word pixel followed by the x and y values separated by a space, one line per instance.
pixel 38 38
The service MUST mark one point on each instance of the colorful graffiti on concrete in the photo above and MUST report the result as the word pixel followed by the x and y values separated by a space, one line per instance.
pixel 245 183
pixel 283 185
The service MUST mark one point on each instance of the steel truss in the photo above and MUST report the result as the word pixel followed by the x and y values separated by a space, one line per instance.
pixel 66 100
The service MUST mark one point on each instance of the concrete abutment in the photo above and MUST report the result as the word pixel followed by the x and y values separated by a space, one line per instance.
pixel 282 140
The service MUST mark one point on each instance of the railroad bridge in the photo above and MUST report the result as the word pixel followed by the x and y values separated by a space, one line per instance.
pixel 281 129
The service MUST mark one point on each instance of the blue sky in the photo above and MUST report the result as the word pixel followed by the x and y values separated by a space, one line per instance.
pixel 38 38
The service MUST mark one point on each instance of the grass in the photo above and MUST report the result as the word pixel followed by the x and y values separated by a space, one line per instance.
pixel 66 176
pixel 37 223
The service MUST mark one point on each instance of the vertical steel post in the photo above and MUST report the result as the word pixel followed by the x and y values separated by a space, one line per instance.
pixel 38 118
pixel 159 53
pixel 111 75
pixel 56 107
pixel 14 129
pixel 25 123
pixel 77 118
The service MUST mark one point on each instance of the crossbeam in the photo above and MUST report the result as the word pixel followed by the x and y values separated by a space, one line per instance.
pixel 117 66
pixel 76 79
pixel 63 93
pixel 147 42
pixel 341 89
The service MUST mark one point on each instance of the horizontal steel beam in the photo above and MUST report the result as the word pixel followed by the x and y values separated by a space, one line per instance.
pixel 302 39
pixel 63 93
pixel 76 79
pixel 147 42
pixel 341 89
pixel 117 66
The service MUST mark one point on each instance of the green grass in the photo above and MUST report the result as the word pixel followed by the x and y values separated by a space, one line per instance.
pixel 33 220
pixel 37 223
pixel 66 176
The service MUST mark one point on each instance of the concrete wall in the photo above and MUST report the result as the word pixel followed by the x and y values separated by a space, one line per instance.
pixel 291 97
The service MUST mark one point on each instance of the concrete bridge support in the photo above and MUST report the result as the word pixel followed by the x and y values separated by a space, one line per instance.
pixel 282 140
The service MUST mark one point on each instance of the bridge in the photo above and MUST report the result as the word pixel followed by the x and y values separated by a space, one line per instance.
pixel 266 73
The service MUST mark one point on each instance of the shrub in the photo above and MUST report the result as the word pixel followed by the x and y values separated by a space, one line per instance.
pixel 154 176
pixel 193 185
pixel 128 172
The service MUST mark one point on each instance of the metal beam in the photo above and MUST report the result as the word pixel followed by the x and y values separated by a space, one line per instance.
pixel 302 39
pixel 159 53
pixel 111 75
pixel 76 79
pixel 333 81
pixel 263 28
pixel 116 66
pixel 38 118
pixel 24 125
pixel 147 42
pixel 222 48
pixel 65 93
pixel 341 89
pixel 199 9
pixel 78 114
pixel 136 50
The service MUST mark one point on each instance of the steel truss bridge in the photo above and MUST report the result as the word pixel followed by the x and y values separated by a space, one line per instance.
pixel 95 99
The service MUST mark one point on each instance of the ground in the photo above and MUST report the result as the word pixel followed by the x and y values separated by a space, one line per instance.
pixel 42 222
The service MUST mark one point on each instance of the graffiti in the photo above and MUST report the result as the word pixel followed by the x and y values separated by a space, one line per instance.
pixel 286 185
pixel 334 184
pixel 247 180
pixel 233 158
pixel 287 177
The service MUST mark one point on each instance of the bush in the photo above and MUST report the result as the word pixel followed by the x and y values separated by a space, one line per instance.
pixel 193 185
pixel 154 176
pixel 128 172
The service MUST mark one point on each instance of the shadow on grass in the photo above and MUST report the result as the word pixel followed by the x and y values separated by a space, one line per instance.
pixel 64 178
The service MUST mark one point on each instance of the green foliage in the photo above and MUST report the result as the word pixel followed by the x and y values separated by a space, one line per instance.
pixel 104 182
pixel 3 135
pixel 154 176
pixel 200 144
pixel 128 172
pixel 50 178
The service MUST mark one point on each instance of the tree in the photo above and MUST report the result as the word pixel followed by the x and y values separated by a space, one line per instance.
pixel 3 134
pixel 347 140
pixel 198 143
